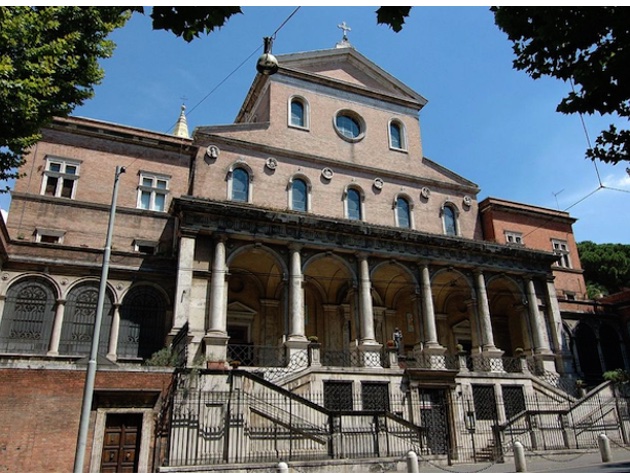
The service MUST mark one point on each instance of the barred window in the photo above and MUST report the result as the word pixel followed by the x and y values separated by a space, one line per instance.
pixel 29 312
pixel 375 396
pixel 338 395
pixel 485 403
pixel 514 400
pixel 78 320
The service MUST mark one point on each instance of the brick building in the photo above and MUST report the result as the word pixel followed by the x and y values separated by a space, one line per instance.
pixel 312 245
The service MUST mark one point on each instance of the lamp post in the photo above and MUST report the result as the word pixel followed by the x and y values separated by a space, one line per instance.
pixel 88 392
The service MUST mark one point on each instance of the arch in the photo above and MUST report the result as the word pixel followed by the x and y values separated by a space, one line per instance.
pixel 588 354
pixel 78 320
pixel 27 319
pixel 450 215
pixel 397 135
pixel 403 206
pixel 509 317
pixel 142 322
pixel 611 348
pixel 353 203
pixel 299 112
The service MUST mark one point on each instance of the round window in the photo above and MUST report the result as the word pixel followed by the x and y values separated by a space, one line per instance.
pixel 349 125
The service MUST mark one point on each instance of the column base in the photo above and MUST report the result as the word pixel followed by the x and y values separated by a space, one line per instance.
pixel 370 354
pixel 488 360
pixel 297 350
pixel 215 356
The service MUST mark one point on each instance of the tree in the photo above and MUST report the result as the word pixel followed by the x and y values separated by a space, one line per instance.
pixel 49 61
pixel 48 65
pixel 589 47
pixel 605 266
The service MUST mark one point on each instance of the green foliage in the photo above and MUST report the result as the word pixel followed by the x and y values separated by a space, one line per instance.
pixel 392 16
pixel 588 46
pixel 617 376
pixel 189 22
pixel 163 357
pixel 48 65
pixel 605 265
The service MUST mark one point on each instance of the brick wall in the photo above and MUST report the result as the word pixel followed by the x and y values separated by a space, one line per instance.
pixel 40 410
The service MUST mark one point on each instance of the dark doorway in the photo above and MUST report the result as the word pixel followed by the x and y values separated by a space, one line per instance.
pixel 121 443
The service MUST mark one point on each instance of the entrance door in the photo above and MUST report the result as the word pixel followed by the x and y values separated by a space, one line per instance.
pixel 121 443
pixel 434 419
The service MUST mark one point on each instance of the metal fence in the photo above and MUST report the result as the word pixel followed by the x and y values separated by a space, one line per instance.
pixel 242 418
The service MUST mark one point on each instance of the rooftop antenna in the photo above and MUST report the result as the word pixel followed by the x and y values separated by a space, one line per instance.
pixel 555 194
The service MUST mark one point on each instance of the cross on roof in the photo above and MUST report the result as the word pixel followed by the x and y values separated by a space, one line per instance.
pixel 345 29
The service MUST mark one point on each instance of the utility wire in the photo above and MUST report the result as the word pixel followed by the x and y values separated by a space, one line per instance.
pixel 236 69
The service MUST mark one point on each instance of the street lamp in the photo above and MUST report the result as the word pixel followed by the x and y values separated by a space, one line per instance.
pixel 88 392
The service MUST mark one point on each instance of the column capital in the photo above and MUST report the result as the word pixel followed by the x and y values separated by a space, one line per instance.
pixel 295 246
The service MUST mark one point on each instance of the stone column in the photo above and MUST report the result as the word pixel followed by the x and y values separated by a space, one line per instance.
pixel 55 337
pixel 113 334
pixel 296 296
pixel 555 320
pixel 184 281
pixel 430 330
pixel 218 324
pixel 365 302
pixel 216 337
pixel 541 344
pixel 369 347
pixel 485 323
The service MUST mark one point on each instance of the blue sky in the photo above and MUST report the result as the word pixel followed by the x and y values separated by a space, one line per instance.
pixel 485 121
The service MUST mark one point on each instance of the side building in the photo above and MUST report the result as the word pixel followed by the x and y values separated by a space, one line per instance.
pixel 308 269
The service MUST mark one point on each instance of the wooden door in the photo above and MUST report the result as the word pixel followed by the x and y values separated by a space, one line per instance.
pixel 121 444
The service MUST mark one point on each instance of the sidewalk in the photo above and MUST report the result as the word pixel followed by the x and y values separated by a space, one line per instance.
pixel 583 462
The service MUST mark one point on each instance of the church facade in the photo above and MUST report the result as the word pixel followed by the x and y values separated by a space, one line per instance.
pixel 308 254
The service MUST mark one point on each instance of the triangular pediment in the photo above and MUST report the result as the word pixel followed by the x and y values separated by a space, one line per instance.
pixel 348 66
pixel 236 308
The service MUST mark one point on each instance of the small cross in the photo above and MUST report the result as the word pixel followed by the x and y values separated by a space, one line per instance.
pixel 345 29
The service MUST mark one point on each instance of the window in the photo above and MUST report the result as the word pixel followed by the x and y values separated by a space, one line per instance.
pixel 403 213
pixel 299 195
pixel 484 401
pixel 152 192
pixel 349 126
pixel 78 320
pixel 514 238
pixel 375 396
pixel 561 248
pixel 49 236
pixel 60 177
pixel 240 185
pixel 450 220
pixel 298 113
pixel 29 311
pixel 353 204
pixel 338 395
pixel 142 316
pixel 397 135
pixel 146 247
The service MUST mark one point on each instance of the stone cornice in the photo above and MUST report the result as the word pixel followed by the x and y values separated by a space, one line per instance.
pixel 325 234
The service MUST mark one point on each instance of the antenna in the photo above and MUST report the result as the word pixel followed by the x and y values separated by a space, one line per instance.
pixel 555 194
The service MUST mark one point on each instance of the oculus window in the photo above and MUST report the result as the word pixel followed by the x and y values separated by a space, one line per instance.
pixel 349 126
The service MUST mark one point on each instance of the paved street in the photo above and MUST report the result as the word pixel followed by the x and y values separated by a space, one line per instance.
pixel 574 463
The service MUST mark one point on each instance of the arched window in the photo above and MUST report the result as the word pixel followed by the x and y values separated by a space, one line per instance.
pixel 403 213
pixel 28 317
pixel 240 185
pixel 450 220
pixel 353 204
pixel 299 195
pixel 397 135
pixel 78 320
pixel 298 113
pixel 142 318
